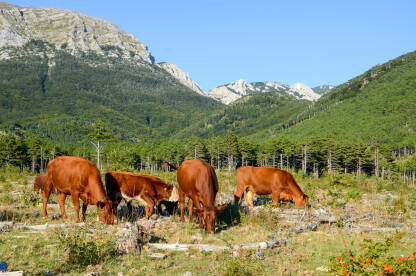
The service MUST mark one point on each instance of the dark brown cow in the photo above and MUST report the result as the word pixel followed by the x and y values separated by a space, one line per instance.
pixel 264 181
pixel 40 182
pixel 79 178
pixel 197 180
pixel 149 190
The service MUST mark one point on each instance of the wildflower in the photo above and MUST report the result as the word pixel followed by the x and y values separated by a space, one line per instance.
pixel 344 272
pixel 352 257
pixel 369 260
pixel 412 256
pixel 344 264
pixel 405 258
pixel 338 258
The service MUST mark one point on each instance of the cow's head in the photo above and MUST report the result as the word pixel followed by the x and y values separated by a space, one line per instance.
pixel 301 201
pixel 106 211
pixel 208 215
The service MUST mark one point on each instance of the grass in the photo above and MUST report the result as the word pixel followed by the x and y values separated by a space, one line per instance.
pixel 307 253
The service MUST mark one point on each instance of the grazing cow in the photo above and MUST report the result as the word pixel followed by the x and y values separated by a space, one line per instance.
pixel 79 178
pixel 197 180
pixel 265 181
pixel 148 190
pixel 40 182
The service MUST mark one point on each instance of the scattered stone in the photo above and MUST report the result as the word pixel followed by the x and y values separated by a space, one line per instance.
pixel 313 226
pixel 322 268
pixel 271 236
pixel 273 243
pixel 47 273
pixel 121 274
pixel 285 240
pixel 4 225
pixel 128 240
pixel 196 238
pixel 188 273
pixel 158 256
pixel 36 214
pixel 94 273
pixel 259 255
pixel 12 273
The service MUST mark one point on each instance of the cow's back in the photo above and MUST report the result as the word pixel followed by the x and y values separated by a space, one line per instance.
pixel 257 179
pixel 69 173
pixel 198 177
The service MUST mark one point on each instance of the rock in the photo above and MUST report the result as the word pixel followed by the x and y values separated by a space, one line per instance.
pixel 56 215
pixel 4 225
pixel 12 273
pixel 36 214
pixel 188 273
pixel 128 240
pixel 94 273
pixel 196 238
pixel 259 255
pixel 47 273
pixel 158 256
pixel 285 240
pixel 121 274
pixel 313 226
pixel 322 268
pixel 273 243
pixel 271 236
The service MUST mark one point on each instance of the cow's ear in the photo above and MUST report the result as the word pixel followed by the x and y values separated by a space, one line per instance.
pixel 220 208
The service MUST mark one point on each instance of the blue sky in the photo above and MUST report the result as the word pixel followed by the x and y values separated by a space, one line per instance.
pixel 221 41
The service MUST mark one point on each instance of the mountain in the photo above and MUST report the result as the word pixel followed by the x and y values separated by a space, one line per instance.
pixel 248 115
pixel 378 106
pixel 233 91
pixel 182 76
pixel 60 71
pixel 323 89
pixel 66 29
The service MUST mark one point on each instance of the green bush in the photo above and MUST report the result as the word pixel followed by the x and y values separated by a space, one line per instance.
pixel 373 259
pixel 82 250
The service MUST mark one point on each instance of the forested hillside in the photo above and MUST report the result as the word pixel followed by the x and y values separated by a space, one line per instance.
pixel 377 106
pixel 248 115
pixel 57 96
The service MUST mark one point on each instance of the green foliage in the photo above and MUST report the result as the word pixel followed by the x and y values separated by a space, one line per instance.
pixel 81 249
pixel 240 266
pixel 58 103
pixel 373 259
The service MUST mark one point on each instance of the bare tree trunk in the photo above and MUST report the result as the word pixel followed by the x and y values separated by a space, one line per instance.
pixel 41 159
pixel 33 164
pixel 274 160
pixel 281 161
pixel 376 169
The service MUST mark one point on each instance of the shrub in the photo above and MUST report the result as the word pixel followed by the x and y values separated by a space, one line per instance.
pixel 82 250
pixel 373 260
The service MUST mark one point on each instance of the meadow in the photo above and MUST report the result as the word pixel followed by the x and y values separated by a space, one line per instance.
pixel 364 225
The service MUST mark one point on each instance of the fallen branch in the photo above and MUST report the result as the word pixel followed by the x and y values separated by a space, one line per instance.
pixel 209 247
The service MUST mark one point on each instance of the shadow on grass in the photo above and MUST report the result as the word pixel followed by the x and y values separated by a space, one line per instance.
pixel 230 216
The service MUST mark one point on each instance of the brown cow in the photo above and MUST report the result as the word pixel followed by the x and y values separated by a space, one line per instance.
pixel 148 190
pixel 265 181
pixel 40 182
pixel 77 177
pixel 197 180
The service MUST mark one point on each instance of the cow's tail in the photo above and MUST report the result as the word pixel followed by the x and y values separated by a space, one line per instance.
pixel 166 163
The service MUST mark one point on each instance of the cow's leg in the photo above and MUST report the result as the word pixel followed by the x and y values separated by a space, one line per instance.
pixel 250 198
pixel 75 200
pixel 276 197
pixel 181 203
pixel 45 195
pixel 61 200
pixel 239 192
pixel 150 204
pixel 84 210
pixel 199 206
pixel 190 206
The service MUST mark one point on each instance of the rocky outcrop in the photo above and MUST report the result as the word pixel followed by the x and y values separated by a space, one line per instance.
pixel 301 91
pixel 323 89
pixel 182 76
pixel 231 92
pixel 68 30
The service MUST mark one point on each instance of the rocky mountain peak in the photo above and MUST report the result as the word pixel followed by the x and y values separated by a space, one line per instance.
pixel 182 76
pixel 68 30
pixel 303 91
